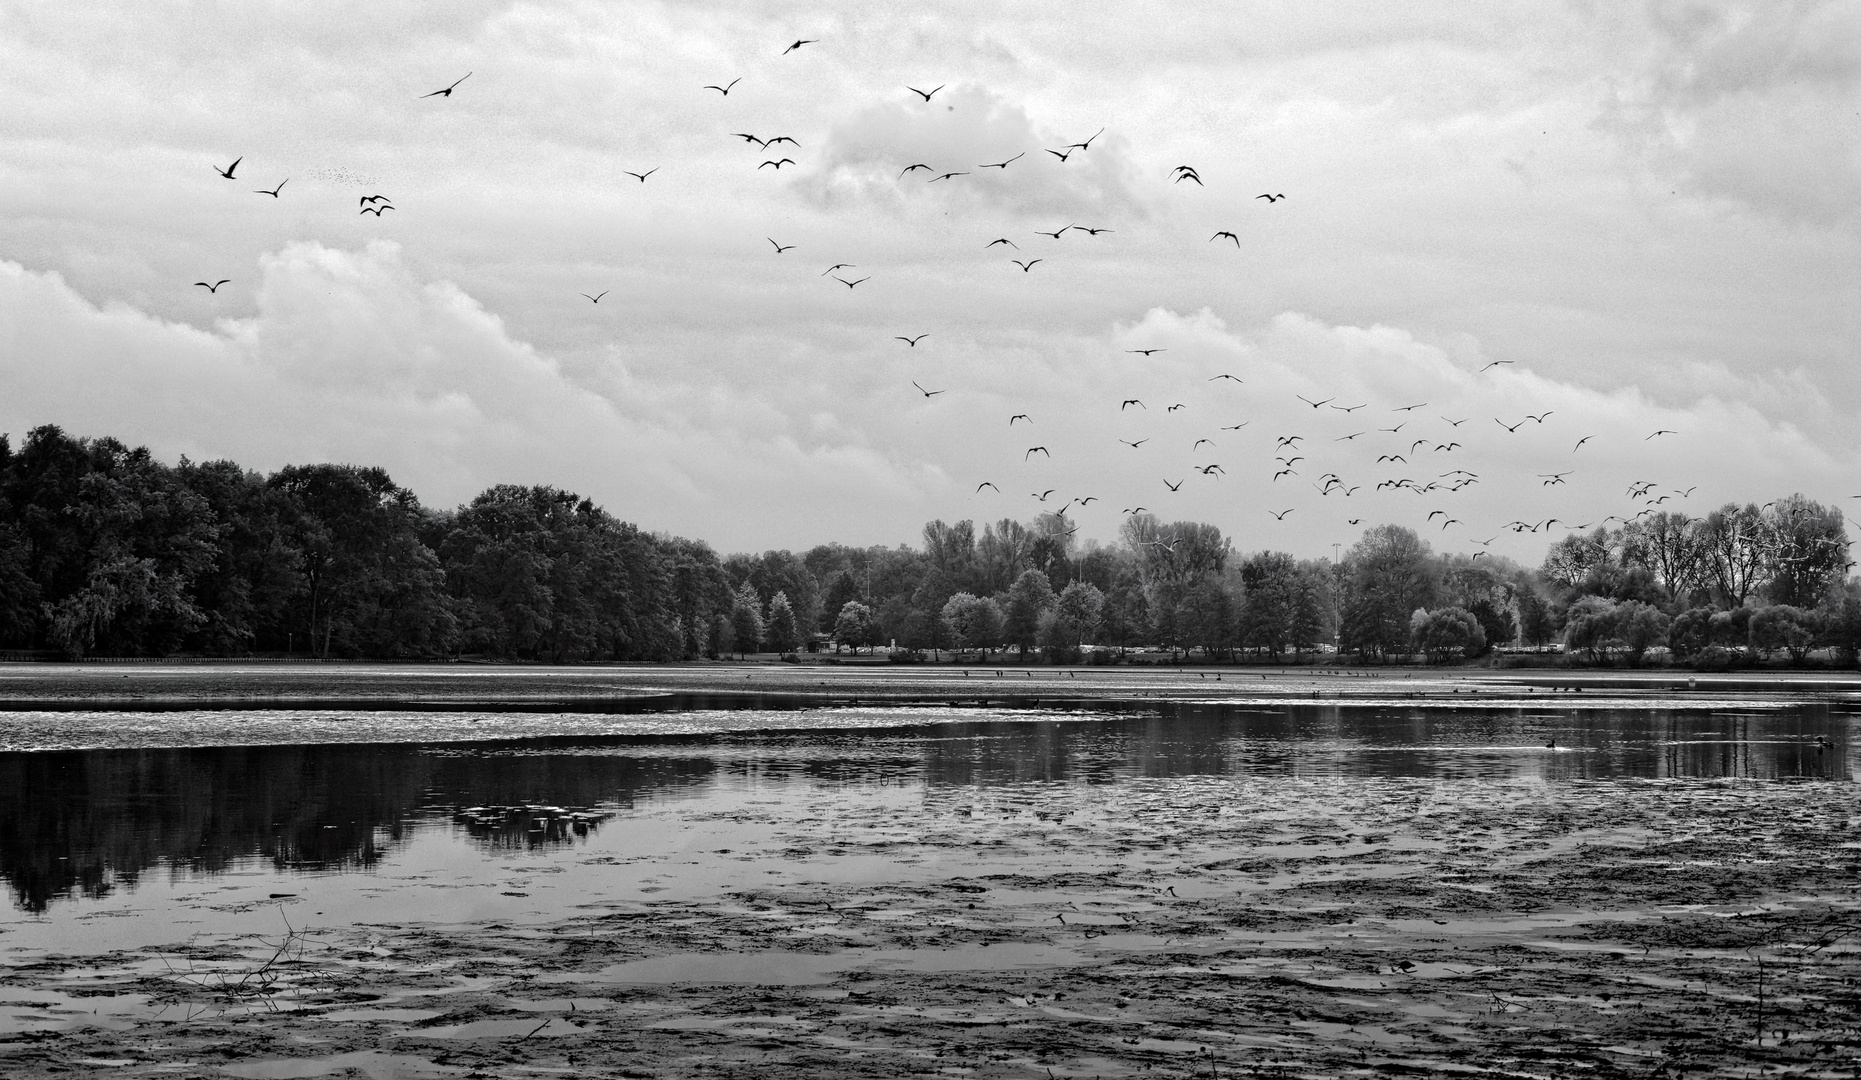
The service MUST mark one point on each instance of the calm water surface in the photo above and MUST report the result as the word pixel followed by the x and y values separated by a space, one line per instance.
pixel 438 817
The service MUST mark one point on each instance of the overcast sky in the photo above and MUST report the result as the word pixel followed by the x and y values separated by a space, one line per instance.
pixel 1639 217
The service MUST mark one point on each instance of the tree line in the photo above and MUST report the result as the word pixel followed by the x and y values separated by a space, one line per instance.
pixel 105 551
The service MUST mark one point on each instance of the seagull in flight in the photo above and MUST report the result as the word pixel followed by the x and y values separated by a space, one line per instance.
pixel 1128 402
pixel 377 210
pixel 1177 486
pixel 1581 441
pixel 1062 156
pixel 850 284
pixel 1030 453
pixel 228 171
pixel 1313 404
pixel 1270 198
pixel 799 44
pixel 1026 266
pixel 927 393
pixel 925 94
pixel 778 164
pixel 1055 234
pixel 1224 375
pixel 1019 416
pixel 1087 144
pixel 1237 427
pixel 1663 431
pixel 597 299
pixel 911 341
pixel 1280 515
pixel 215 287
pixel 1496 363
pixel 366 199
pixel 448 91
pixel 1226 233
pixel 945 176
pixel 915 168
pixel 642 176
pixel 780 248
pixel 1003 240
pixel 831 269
pixel 1146 352
pixel 1509 427
pixel 724 89
pixel 1134 445
pixel 986 484
pixel 1004 164
pixel 274 191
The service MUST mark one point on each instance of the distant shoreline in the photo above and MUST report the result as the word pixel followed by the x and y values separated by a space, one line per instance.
pixel 643 688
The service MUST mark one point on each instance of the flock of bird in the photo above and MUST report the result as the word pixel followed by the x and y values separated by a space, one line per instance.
pixel 1415 454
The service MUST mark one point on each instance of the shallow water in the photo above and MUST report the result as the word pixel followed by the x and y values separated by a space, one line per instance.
pixel 120 830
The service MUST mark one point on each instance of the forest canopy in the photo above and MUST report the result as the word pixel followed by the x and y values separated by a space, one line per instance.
pixel 106 551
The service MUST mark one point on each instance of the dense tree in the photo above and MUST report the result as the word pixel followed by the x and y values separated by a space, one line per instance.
pixel 784 631
pixel 1075 619
pixel 855 626
pixel 1639 627
pixel 974 622
pixel 1028 599
pixel 746 621
pixel 1446 633
pixel 1389 575
pixel 1781 626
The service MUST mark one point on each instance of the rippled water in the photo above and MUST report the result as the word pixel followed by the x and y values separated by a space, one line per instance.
pixel 123 829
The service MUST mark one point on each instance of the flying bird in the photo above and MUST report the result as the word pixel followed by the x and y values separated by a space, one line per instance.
pixel 1025 266
pixel 642 176
pixel 945 176
pixel 597 299
pixel 1457 423
pixel 1313 404
pixel 1270 198
pixel 1198 444
pixel 215 287
pixel 1663 431
pixel 1061 156
pixel 1134 445
pixel 1280 515
pixel 1003 240
pixel 779 248
pixel 228 171
pixel 1218 378
pixel 1042 495
pixel 1128 402
pixel 1237 427
pixel 1177 486
pixel 986 484
pixel 1540 417
pixel 1509 427
pixel 778 164
pixel 724 89
pixel 1146 352
pixel 1496 363
pixel 1055 234
pixel 747 137
pixel 448 91
pixel 1136 509
pixel 911 341
pixel 799 44
pixel 1581 441
pixel 1019 416
pixel 1408 408
pixel 850 284
pixel 780 138
pixel 1090 231
pixel 1346 438
pixel 1004 164
pixel 927 393
pixel 915 168
pixel 377 209
pixel 1348 408
pixel 926 95
pixel 831 269
pixel 1190 175
pixel 1226 233
pixel 274 191
pixel 1088 143
pixel 366 199
pixel 1031 451
pixel 1173 408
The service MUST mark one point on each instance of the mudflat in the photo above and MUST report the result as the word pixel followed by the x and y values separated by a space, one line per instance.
pixel 1151 921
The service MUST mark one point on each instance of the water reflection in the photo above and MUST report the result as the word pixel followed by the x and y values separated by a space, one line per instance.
pixel 84 823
